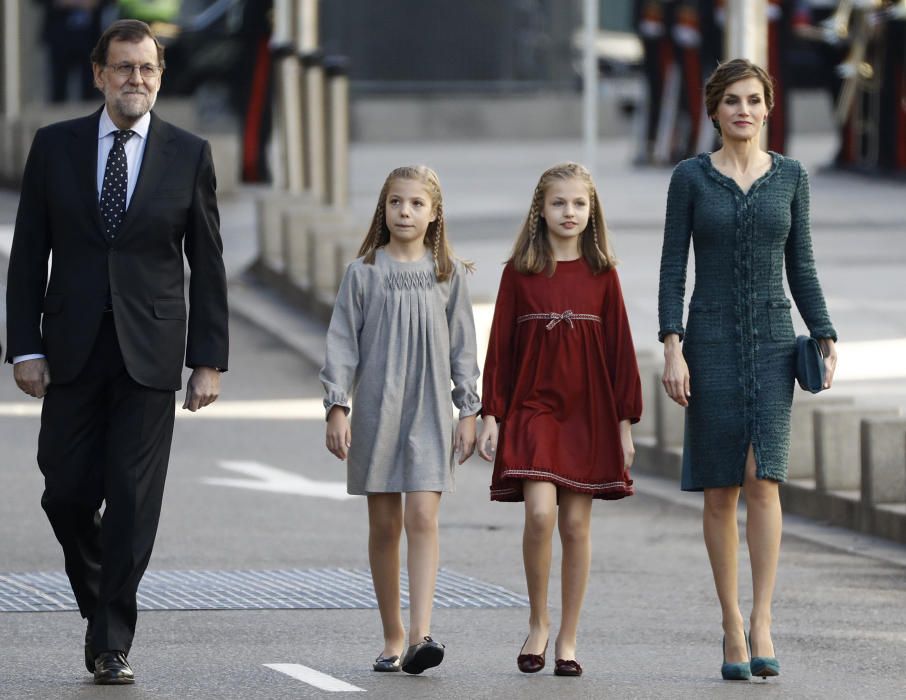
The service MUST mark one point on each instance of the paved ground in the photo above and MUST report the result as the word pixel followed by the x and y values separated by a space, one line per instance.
pixel 651 626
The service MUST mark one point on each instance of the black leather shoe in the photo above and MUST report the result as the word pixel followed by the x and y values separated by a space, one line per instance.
pixel 426 654
pixel 111 668
pixel 386 664
pixel 89 652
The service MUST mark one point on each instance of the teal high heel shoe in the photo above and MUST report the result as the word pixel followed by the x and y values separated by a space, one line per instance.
pixel 734 672
pixel 763 666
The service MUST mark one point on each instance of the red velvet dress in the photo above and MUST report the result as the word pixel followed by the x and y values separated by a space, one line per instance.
pixel 560 375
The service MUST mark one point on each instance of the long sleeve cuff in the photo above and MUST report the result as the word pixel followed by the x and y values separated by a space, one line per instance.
pixel 824 332
pixel 22 358
pixel 668 330
pixel 336 398
pixel 632 415
pixel 471 406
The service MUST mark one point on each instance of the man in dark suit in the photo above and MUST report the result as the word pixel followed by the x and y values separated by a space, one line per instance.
pixel 116 197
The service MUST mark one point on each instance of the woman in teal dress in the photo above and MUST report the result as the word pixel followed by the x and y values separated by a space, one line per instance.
pixel 746 213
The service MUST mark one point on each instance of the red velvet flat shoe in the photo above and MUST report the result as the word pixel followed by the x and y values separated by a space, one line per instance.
pixel 531 663
pixel 567 667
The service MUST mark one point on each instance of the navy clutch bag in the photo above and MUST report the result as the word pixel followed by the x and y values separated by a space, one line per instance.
pixel 809 364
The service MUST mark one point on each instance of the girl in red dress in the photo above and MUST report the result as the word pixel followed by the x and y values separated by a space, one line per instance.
pixel 561 389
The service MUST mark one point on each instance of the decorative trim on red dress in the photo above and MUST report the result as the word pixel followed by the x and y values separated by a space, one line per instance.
pixel 569 316
pixel 542 475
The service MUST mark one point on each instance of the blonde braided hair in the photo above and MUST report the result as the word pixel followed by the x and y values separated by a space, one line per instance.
pixel 591 222
pixel 532 252
pixel 435 236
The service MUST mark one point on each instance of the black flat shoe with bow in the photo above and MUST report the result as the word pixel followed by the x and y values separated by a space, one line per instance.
pixel 426 654
pixel 386 664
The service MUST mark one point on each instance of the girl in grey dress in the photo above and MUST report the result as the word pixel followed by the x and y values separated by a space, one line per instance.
pixel 401 331
pixel 746 212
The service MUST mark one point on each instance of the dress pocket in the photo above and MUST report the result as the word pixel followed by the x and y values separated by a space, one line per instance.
pixel 780 320
pixel 705 322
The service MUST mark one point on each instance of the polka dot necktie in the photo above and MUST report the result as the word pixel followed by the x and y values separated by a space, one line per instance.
pixel 116 180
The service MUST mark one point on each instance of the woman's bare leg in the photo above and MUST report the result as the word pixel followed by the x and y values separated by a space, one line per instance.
pixel 722 541
pixel 764 523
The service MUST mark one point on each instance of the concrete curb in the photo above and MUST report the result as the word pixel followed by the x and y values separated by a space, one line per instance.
pixel 263 308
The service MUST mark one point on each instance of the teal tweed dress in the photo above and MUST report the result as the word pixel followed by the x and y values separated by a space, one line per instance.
pixel 739 341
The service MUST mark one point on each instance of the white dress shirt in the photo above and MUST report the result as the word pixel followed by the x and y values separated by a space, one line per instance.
pixel 135 151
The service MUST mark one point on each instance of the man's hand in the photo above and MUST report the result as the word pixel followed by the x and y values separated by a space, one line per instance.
pixel 339 435
pixel 32 376
pixel 203 388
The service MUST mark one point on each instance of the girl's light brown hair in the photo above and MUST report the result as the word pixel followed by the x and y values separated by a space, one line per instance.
pixel 532 252
pixel 728 73
pixel 435 236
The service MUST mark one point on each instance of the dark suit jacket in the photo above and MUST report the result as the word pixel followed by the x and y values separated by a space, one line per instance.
pixel 173 210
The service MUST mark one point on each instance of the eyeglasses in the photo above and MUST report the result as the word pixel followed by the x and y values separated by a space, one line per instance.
pixel 147 70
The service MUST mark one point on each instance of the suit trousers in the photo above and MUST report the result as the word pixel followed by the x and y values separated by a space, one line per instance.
pixel 105 439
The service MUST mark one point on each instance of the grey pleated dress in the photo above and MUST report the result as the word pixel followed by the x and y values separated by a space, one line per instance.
pixel 402 345
pixel 739 342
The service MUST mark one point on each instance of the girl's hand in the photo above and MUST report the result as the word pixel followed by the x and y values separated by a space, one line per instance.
pixel 339 435
pixel 676 371
pixel 487 441
pixel 464 438
pixel 627 444
pixel 829 350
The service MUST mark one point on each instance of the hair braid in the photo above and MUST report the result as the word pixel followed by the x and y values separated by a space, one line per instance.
pixel 534 213
pixel 379 215
pixel 377 226
pixel 594 225
pixel 438 233
pixel 532 254
pixel 435 235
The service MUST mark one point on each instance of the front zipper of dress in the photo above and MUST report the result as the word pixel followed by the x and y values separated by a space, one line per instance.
pixel 745 307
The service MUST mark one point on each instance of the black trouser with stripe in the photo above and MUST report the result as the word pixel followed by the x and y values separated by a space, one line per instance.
pixel 105 439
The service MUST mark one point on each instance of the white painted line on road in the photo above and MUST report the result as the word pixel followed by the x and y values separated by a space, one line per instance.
pixel 267 478
pixel 316 678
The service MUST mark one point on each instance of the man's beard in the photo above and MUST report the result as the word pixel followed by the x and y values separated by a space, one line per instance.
pixel 133 108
